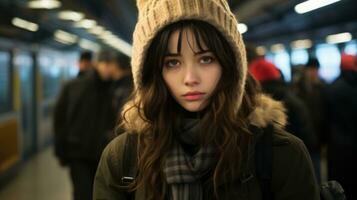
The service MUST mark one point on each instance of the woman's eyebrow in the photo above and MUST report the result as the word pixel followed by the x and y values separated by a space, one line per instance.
pixel 203 52
pixel 172 54
pixel 179 54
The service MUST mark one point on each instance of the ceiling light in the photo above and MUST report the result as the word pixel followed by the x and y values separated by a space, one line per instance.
pixel 301 44
pixel 105 34
pixel 109 38
pixel 112 40
pixel 21 23
pixel 339 38
pixel 65 36
pixel 87 44
pixel 97 30
pixel 86 23
pixel 277 47
pixel 44 4
pixel 310 5
pixel 70 15
pixel 242 28
pixel 121 46
pixel 63 42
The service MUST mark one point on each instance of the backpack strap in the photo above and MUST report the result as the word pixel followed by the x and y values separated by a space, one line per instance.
pixel 130 162
pixel 264 161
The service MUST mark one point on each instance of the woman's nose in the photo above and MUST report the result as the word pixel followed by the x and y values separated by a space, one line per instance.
pixel 191 76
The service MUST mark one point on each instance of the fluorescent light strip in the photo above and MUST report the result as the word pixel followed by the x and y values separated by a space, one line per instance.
pixel 301 44
pixel 65 36
pixel 21 23
pixel 339 38
pixel 97 30
pixel 70 15
pixel 106 34
pixel 311 5
pixel 87 44
pixel 121 46
pixel 44 4
pixel 63 42
pixel 110 39
pixel 86 23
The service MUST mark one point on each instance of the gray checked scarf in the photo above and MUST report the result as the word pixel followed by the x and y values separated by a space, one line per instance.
pixel 183 172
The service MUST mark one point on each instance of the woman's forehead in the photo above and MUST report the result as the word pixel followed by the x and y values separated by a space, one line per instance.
pixel 186 36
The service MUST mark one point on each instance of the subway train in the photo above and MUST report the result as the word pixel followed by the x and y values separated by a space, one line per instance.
pixel 30 80
pixel 41 40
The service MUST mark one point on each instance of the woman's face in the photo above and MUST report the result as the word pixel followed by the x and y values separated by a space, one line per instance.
pixel 192 74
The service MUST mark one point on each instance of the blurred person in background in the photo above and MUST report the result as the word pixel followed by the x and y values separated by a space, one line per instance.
pixel 299 122
pixel 85 63
pixel 122 80
pixel 342 143
pixel 122 84
pixel 84 119
pixel 312 90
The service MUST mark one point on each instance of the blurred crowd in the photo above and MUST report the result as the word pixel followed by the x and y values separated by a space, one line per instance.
pixel 322 115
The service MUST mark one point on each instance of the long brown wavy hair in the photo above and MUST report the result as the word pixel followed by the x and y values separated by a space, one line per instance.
pixel 224 128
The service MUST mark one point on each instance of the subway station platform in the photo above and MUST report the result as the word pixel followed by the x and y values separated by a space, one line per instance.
pixel 40 178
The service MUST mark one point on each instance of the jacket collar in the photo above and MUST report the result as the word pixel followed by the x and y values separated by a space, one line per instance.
pixel 268 111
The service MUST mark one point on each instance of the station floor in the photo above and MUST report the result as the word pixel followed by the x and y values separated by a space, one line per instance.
pixel 41 178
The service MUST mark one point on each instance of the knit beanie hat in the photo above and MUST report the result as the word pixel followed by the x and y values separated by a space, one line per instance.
pixel 263 70
pixel 348 62
pixel 154 15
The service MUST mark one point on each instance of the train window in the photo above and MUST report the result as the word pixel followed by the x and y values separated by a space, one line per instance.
pixel 71 65
pixel 299 57
pixel 50 69
pixel 73 70
pixel 329 58
pixel 351 48
pixel 282 61
pixel 5 90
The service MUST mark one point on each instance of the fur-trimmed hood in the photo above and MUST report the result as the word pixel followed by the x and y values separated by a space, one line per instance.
pixel 268 111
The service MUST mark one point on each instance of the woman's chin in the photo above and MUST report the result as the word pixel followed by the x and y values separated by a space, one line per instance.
pixel 193 106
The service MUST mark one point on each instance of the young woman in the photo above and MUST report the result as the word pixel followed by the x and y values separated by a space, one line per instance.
pixel 196 117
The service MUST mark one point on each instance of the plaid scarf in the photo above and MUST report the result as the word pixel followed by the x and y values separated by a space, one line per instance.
pixel 183 172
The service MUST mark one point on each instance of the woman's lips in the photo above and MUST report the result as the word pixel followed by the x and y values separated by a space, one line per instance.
pixel 193 96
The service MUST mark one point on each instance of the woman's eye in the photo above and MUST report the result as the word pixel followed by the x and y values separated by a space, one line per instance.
pixel 172 63
pixel 207 60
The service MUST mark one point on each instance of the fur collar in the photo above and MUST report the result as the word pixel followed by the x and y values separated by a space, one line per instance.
pixel 268 111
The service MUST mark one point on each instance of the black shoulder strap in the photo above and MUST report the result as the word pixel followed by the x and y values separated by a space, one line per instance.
pixel 264 161
pixel 130 160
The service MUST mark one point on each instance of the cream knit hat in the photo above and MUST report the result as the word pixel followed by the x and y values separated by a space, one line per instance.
pixel 157 14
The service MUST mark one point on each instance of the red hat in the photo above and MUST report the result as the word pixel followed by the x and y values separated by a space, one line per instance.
pixel 348 62
pixel 263 70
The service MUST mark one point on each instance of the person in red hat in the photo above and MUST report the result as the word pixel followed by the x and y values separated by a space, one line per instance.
pixel 273 84
pixel 342 143
pixel 348 63
pixel 263 70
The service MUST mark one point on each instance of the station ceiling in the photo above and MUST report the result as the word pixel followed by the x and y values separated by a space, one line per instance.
pixel 268 21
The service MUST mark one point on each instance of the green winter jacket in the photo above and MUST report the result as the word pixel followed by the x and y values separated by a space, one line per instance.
pixel 292 175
